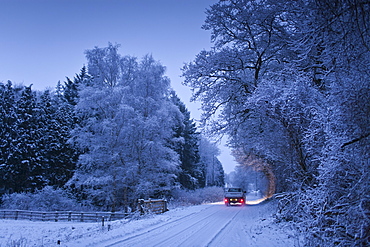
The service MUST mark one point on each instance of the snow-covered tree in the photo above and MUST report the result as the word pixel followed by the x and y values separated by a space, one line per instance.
pixel 8 133
pixel 58 155
pixel 250 42
pixel 126 132
pixel 71 87
pixel 104 64
pixel 24 164
pixel 187 146
pixel 212 167
pixel 34 149
pixel 239 79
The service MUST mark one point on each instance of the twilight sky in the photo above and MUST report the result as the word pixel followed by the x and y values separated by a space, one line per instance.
pixel 43 41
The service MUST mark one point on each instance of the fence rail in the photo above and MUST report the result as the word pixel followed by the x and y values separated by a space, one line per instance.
pixel 61 215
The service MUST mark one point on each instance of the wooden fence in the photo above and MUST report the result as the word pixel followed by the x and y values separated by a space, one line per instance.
pixel 62 216
pixel 144 206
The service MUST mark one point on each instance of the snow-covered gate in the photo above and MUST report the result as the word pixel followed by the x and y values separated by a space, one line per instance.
pixel 156 206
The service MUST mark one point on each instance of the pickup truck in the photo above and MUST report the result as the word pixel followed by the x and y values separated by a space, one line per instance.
pixel 234 196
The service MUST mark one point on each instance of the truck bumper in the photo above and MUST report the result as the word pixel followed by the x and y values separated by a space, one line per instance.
pixel 234 201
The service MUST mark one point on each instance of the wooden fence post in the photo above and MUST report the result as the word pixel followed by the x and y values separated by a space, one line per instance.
pixel 165 209
pixel 140 205
pixel 112 216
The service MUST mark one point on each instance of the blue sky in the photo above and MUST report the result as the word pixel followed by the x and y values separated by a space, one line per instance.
pixel 43 41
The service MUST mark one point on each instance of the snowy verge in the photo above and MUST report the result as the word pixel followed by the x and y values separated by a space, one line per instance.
pixel 36 233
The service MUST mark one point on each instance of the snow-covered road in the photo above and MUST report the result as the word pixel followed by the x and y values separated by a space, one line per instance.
pixel 211 225
pixel 203 225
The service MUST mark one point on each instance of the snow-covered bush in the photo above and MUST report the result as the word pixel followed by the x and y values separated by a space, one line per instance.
pixel 47 199
pixel 196 197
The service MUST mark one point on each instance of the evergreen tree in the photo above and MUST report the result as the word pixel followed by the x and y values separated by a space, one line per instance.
pixel 71 88
pixel 191 175
pixel 8 132
pixel 26 160
pixel 58 155
pixel 34 140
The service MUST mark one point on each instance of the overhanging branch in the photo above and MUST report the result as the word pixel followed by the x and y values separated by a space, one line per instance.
pixel 355 140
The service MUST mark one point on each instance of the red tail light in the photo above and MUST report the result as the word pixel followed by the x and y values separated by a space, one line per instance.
pixel 226 201
pixel 242 200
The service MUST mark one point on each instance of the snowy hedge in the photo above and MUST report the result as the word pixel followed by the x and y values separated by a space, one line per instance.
pixel 196 197
pixel 47 199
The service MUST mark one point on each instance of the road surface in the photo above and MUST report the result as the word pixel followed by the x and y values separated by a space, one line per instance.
pixel 213 225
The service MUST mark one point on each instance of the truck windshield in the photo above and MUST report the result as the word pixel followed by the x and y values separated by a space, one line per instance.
pixel 235 190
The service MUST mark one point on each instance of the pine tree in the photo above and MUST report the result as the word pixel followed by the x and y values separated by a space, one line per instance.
pixel 191 175
pixel 58 155
pixel 26 161
pixel 71 88
pixel 8 132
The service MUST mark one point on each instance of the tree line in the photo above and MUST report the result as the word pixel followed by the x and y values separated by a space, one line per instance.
pixel 114 133
pixel 288 81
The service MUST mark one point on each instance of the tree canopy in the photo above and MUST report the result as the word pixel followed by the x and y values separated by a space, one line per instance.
pixel 288 81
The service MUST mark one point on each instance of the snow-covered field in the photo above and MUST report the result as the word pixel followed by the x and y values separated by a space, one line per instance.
pixel 203 225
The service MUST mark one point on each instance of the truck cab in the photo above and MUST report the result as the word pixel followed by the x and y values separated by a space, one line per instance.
pixel 234 196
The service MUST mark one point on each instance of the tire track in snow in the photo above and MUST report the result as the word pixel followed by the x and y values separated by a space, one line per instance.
pixel 147 235
pixel 222 229
pixel 181 238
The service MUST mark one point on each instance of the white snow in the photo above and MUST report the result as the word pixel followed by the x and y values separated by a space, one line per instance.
pixel 203 225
